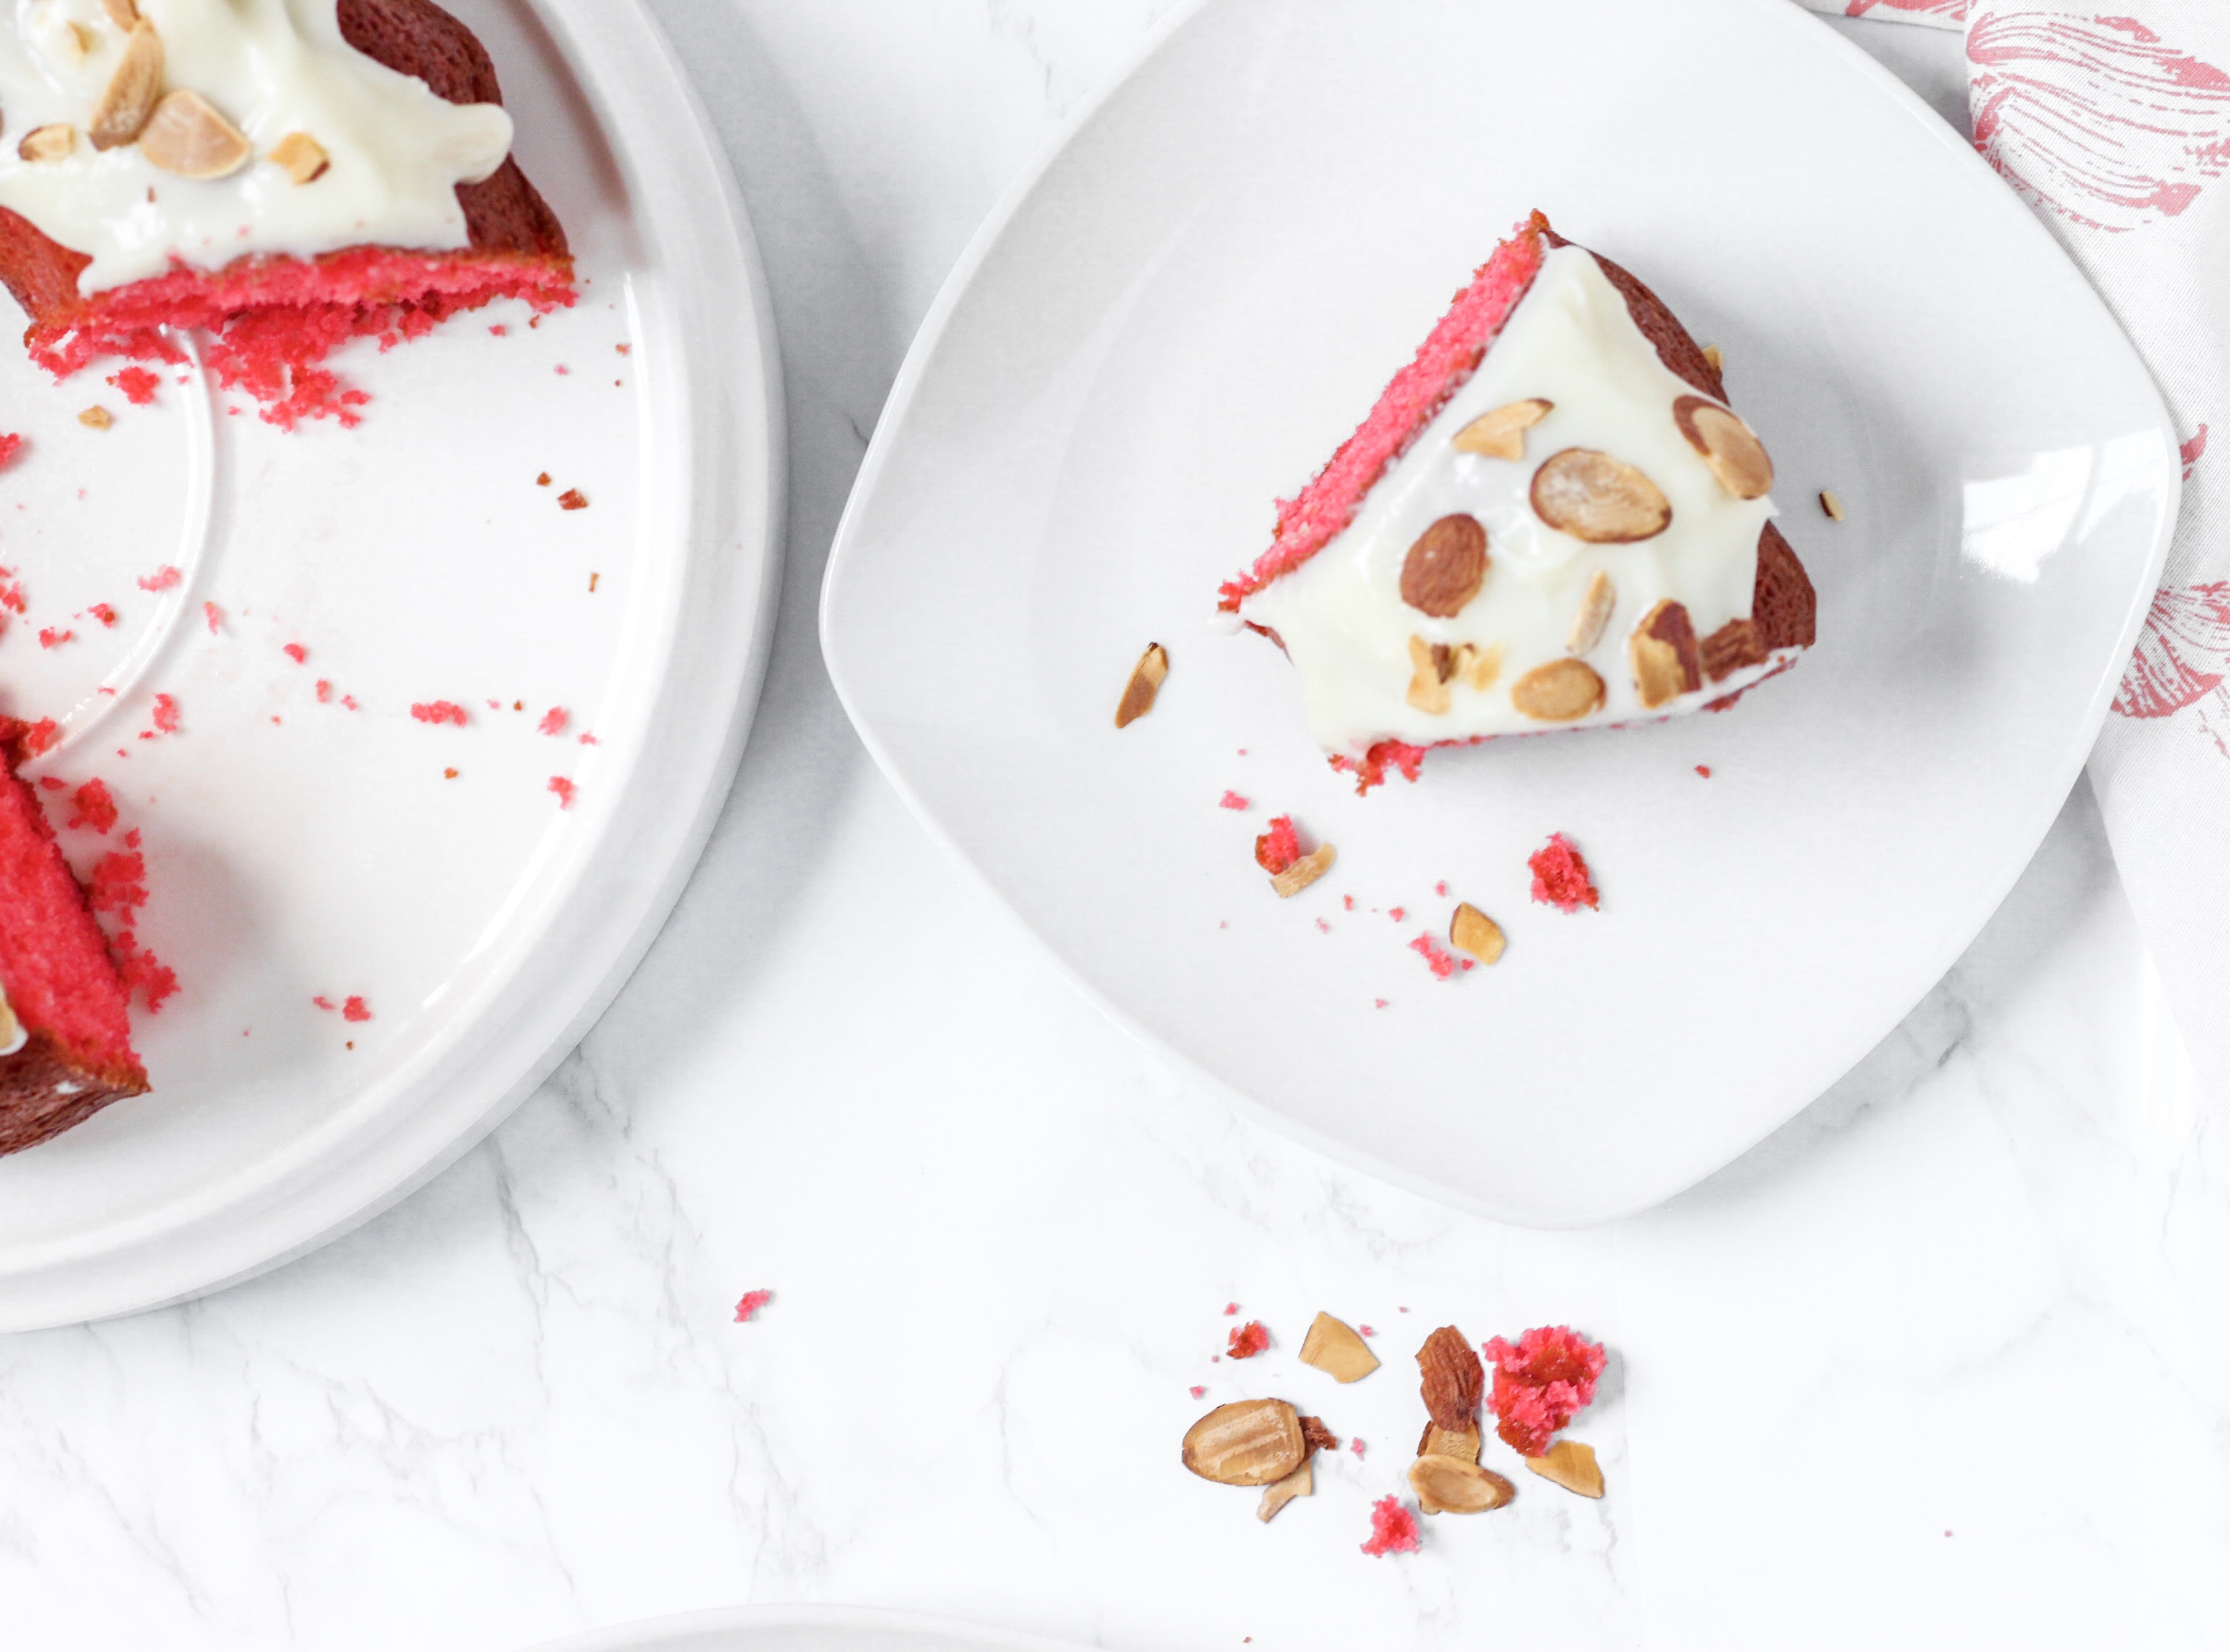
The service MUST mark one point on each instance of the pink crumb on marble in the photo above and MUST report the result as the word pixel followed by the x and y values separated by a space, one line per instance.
pixel 751 1303
pixel 1392 1529
pixel 1232 800
pixel 1437 957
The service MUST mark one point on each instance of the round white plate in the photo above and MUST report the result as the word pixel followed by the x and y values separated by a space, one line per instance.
pixel 1197 299
pixel 801 1628
pixel 305 843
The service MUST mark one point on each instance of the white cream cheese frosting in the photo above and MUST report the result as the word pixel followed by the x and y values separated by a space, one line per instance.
pixel 272 68
pixel 1363 652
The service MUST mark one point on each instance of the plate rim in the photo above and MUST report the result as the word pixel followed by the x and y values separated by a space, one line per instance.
pixel 708 1631
pixel 737 426
pixel 905 387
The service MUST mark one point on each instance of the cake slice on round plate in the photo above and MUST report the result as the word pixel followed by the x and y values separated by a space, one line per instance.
pixel 283 175
pixel 1551 520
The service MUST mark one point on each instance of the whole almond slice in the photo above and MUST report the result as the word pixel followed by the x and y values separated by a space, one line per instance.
pixel 1562 690
pixel 1248 1442
pixel 1731 447
pixel 1146 678
pixel 1666 658
pixel 129 98
pixel 1572 1466
pixel 1471 931
pixel 1333 1348
pixel 1501 434
pixel 303 158
pixel 53 143
pixel 1431 664
pixel 1459 1443
pixel 1588 625
pixel 1303 872
pixel 1601 499
pixel 1445 568
pixel 1450 1486
pixel 187 137
pixel 1302 1482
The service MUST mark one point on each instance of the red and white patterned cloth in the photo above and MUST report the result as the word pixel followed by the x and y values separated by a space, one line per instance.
pixel 2111 118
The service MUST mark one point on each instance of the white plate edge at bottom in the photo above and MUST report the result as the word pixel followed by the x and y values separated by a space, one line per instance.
pixel 703 1631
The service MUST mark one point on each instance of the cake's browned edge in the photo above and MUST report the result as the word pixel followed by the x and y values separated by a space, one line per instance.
pixel 1784 605
pixel 504 215
pixel 43 1093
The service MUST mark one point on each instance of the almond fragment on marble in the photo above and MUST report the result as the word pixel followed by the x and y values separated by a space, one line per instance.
pixel 1333 1348
pixel 1471 931
pixel 1831 505
pixel 1302 1482
pixel 1459 1443
pixel 1303 872
pixel 1146 680
pixel 1572 1466
pixel 1247 1442
pixel 1450 1486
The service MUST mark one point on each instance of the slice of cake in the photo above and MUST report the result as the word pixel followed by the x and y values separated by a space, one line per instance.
pixel 1551 520
pixel 65 1040
pixel 283 175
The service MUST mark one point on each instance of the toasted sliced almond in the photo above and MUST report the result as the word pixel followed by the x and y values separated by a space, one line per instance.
pixel 1572 1466
pixel 1562 690
pixel 1302 1482
pixel 1473 932
pixel 1431 665
pixel 80 41
pixel 1459 1443
pixel 96 418
pixel 1667 661
pixel 1711 354
pixel 1146 678
pixel 1731 447
pixel 187 137
pixel 1303 872
pixel 1446 567
pixel 1501 434
pixel 128 102
pixel 301 157
pixel 1479 668
pixel 1830 504
pixel 123 13
pixel 54 143
pixel 1334 1349
pixel 1248 1442
pixel 1450 1486
pixel 1595 613
pixel 1604 501
pixel 1733 646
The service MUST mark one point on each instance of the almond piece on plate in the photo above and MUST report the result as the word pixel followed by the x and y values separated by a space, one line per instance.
pixel 1303 872
pixel 1453 1378
pixel 54 143
pixel 1248 1442
pixel 1667 660
pixel 1473 932
pixel 1146 680
pixel 1501 434
pixel 1832 505
pixel 1572 1466
pixel 1459 1443
pixel 186 136
pixel 301 157
pixel 96 418
pixel 1604 501
pixel 1596 607
pixel 1446 567
pixel 127 102
pixel 1302 1482
pixel 1450 1486
pixel 1334 1348
pixel 1562 690
pixel 1731 447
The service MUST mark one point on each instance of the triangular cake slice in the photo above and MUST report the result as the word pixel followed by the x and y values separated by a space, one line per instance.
pixel 286 176
pixel 65 1038
pixel 1551 520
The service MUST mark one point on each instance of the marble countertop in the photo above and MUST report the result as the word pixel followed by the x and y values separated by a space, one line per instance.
pixel 1944 1363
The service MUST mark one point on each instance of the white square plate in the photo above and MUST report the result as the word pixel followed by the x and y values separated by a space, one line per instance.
pixel 1195 300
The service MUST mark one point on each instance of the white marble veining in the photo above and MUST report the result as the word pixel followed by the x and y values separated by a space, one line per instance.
pixel 1946 1363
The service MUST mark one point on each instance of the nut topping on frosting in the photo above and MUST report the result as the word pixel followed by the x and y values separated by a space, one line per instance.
pixel 301 157
pixel 1604 501
pixel 1473 932
pixel 1562 690
pixel 187 136
pixel 1595 613
pixel 1731 648
pixel 1501 434
pixel 125 14
pixel 1731 447
pixel 127 103
pixel 1431 664
pixel 1667 664
pixel 1477 666
pixel 1446 567
pixel 53 143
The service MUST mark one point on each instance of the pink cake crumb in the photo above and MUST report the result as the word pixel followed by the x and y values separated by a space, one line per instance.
pixel 554 720
pixel 1248 1341
pixel 1364 1330
pixel 53 637
pixel 1278 848
pixel 10 446
pixel 143 972
pixel 324 1002
pixel 1398 913
pixel 39 738
pixel 103 612
pixel 572 500
pixel 441 711
pixel 137 384
pixel 1561 878
pixel 296 652
pixel 1232 800
pixel 1540 1383
pixel 1356 1445
pixel 752 1302
pixel 1441 962
pixel 355 1009
pixel 95 808
pixel 1197 1390
pixel 162 579
pixel 1230 1310
pixel 564 789
pixel 215 616
pixel 1392 1529
pixel 324 692
pixel 1703 768
pixel 166 714
pixel 1370 771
